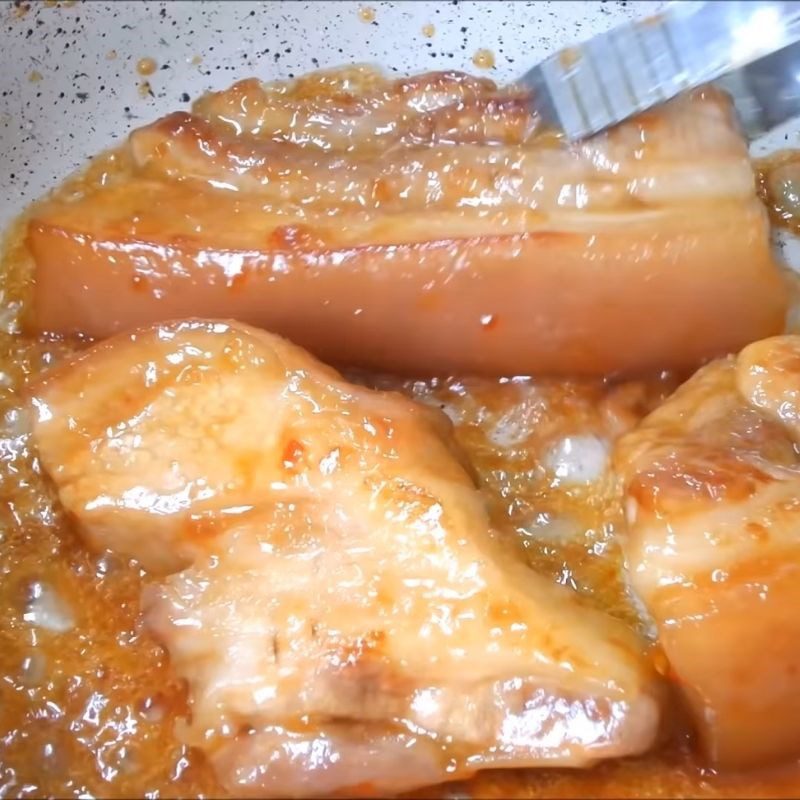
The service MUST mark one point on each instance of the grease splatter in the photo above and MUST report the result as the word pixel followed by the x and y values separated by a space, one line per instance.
pixel 483 59
pixel 146 66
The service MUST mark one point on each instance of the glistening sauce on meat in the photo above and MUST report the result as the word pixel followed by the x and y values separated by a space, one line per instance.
pixel 88 700
pixel 381 208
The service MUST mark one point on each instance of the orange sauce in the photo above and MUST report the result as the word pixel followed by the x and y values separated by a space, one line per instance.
pixel 92 710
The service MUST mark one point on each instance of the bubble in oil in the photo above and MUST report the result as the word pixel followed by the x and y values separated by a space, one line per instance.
pixel 33 670
pixel 47 610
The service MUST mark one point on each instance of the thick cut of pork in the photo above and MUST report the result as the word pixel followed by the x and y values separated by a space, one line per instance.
pixel 329 584
pixel 425 225
pixel 713 495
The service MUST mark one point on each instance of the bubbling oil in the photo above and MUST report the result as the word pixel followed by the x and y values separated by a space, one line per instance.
pixel 88 704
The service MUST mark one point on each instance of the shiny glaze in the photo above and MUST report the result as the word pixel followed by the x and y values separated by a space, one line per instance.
pixel 712 480
pixel 93 709
pixel 379 223
pixel 335 583
pixel 598 176
pixel 357 108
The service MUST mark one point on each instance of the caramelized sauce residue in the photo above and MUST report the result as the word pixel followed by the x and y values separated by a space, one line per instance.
pixel 87 701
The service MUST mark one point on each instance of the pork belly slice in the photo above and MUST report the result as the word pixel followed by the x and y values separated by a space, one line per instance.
pixel 325 575
pixel 602 175
pixel 521 255
pixel 713 492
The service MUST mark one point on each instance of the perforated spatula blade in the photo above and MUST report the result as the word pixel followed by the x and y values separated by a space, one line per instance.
pixel 748 45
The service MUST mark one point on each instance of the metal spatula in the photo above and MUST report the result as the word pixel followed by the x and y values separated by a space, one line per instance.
pixel 750 48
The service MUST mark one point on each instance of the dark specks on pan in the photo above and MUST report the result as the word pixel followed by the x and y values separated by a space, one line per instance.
pixel 71 118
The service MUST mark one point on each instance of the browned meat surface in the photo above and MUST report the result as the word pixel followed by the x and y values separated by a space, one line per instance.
pixel 713 500
pixel 333 592
pixel 425 226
